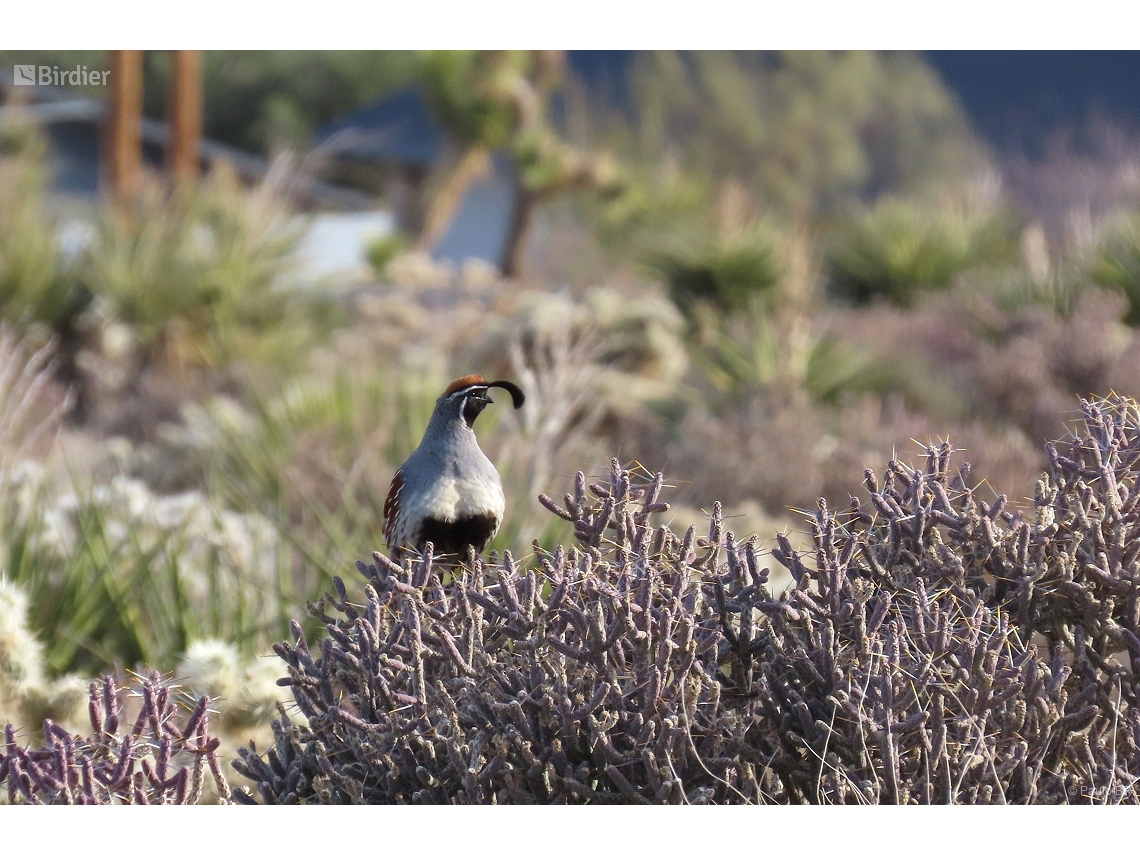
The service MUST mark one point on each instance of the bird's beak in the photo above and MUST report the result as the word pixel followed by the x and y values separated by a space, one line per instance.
pixel 517 396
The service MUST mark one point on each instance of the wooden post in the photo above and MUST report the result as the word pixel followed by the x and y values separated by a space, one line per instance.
pixel 122 157
pixel 184 115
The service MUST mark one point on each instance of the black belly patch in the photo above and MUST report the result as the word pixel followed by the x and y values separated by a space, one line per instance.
pixel 453 538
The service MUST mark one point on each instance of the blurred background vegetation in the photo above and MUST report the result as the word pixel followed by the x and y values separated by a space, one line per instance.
pixel 760 272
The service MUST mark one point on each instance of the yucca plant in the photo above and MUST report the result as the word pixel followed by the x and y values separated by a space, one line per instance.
pixel 750 354
pixel 732 273
pixel 145 267
pixel 195 274
pixel 898 249
pixel 37 281
pixel 1116 265
pixel 1058 290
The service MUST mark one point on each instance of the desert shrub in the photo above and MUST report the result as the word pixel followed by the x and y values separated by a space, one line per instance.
pixel 155 761
pixel 937 649
pixel 630 343
pixel 971 360
pixel 898 249
pixel 195 279
pixel 243 689
pixel 113 572
pixel 31 409
pixel 1026 366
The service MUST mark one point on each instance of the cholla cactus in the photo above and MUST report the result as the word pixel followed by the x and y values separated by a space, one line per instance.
pixel 905 666
pixel 245 691
pixel 154 762
pixel 218 567
pixel 27 696
pixel 211 667
pixel 21 654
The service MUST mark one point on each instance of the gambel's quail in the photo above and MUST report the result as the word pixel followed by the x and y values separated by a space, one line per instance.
pixel 448 493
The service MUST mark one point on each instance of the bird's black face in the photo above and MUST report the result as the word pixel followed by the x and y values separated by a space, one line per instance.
pixel 470 399
pixel 474 403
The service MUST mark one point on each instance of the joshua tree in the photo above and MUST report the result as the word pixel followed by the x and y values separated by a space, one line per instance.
pixel 490 100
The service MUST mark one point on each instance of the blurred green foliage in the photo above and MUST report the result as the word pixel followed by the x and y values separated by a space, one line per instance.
pixel 801 130
pixel 470 93
pixel 198 275
pixel 730 273
pixel 383 249
pixel 752 355
pixel 121 594
pixel 195 273
pixel 502 101
pixel 654 205
pixel 712 143
pixel 1058 290
pixel 898 248
pixel 1116 265
pixel 37 282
